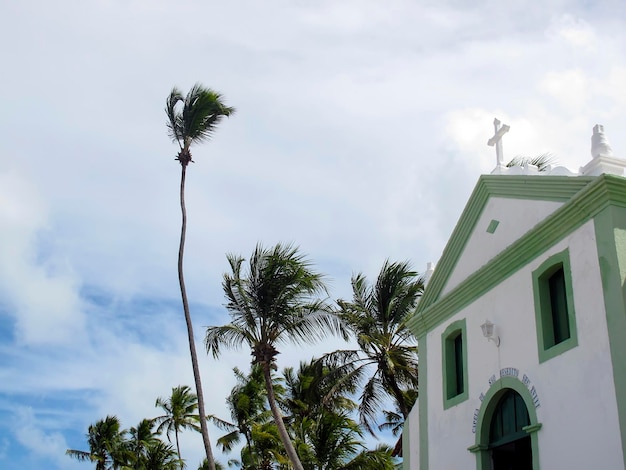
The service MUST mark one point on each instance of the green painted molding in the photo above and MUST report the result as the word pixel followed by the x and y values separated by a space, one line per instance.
pixel 597 193
pixel 542 307
pixel 610 228
pixel 448 375
pixel 477 448
pixel 546 188
pixel 531 428
pixel 485 413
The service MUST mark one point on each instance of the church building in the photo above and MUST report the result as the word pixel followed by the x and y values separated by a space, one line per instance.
pixel 522 326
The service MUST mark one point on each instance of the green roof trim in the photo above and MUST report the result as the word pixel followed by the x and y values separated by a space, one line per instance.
pixel 583 198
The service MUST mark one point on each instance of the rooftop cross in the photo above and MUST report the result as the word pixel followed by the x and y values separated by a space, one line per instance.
pixel 497 140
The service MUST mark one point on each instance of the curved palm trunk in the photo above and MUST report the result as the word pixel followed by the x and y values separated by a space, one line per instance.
pixel 180 459
pixel 278 419
pixel 192 343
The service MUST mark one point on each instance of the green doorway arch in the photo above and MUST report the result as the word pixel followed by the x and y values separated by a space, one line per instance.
pixel 484 420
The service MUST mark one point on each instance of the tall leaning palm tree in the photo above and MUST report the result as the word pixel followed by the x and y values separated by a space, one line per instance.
pixel 193 119
pixel 387 356
pixel 274 302
pixel 180 413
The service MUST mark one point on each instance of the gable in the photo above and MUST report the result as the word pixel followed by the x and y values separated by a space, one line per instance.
pixel 502 222
pixel 579 197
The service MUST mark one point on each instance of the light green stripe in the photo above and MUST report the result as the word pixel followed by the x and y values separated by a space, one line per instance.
pixel 610 226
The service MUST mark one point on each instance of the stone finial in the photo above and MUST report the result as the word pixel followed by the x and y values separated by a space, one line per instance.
pixel 603 161
pixel 600 146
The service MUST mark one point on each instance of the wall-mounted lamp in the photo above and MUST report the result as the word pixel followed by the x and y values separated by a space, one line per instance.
pixel 489 332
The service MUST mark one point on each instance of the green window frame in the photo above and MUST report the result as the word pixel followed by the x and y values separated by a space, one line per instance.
pixel 555 317
pixel 454 364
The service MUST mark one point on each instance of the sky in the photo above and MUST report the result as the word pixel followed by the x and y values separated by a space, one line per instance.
pixel 360 131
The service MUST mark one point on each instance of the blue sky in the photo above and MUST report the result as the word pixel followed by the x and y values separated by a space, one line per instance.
pixel 361 128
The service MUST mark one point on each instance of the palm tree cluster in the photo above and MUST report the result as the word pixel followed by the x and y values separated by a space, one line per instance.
pixel 275 301
pixel 140 448
pixel 323 432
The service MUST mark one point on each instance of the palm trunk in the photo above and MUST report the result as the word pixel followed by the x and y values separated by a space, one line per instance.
pixel 180 458
pixel 278 419
pixel 192 343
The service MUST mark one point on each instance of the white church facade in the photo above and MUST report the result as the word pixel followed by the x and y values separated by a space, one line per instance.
pixel 522 326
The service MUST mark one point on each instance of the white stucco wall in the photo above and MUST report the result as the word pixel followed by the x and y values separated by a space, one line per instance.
pixel 576 391
pixel 516 217
pixel 410 454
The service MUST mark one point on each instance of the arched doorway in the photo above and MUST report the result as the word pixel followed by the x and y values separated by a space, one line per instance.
pixel 509 444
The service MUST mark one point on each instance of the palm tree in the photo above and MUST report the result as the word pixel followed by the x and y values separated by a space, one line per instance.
pixel 273 303
pixel 160 456
pixel 106 445
pixel 180 414
pixel 327 437
pixel 140 442
pixel 202 110
pixel 248 406
pixel 377 318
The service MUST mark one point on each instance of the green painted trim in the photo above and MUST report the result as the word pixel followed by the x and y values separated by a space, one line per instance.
pixel 531 428
pixel 544 188
pixel 543 315
pixel 493 225
pixel 488 405
pixel 610 227
pixel 477 448
pixel 448 363
pixel 598 193
pixel 423 402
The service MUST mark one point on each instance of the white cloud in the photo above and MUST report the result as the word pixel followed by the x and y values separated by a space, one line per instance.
pixel 569 87
pixel 43 443
pixel 575 31
pixel 38 285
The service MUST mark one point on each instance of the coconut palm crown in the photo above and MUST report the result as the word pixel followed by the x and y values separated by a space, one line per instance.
pixel 202 110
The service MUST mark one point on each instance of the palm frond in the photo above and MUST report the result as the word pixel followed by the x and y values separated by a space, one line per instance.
pixel 543 162
pixel 174 118
pixel 230 336
pixel 203 110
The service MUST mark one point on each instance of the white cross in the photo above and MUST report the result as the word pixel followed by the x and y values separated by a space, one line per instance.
pixel 497 140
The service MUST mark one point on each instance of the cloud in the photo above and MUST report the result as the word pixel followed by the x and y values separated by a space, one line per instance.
pixel 575 31
pixel 37 284
pixel 50 445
